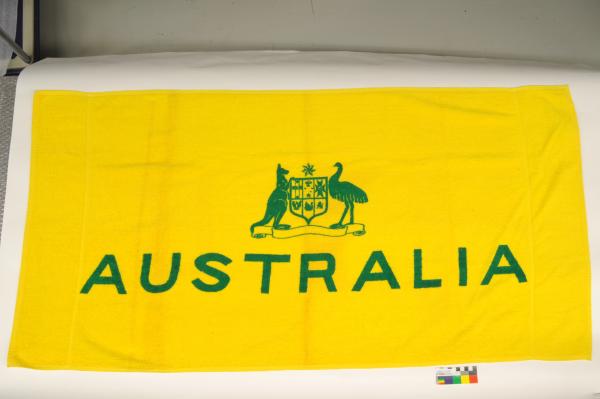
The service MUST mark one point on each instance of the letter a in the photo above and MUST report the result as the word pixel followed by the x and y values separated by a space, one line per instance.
pixel 97 278
pixel 512 268
pixel 386 273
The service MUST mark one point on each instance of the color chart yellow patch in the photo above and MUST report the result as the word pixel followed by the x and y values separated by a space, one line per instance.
pixel 251 230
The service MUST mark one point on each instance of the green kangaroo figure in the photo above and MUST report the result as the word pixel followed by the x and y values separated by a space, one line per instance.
pixel 277 203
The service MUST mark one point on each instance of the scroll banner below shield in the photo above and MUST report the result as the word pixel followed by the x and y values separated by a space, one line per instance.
pixel 357 229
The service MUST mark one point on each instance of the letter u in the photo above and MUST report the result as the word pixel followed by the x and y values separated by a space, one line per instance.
pixel 158 288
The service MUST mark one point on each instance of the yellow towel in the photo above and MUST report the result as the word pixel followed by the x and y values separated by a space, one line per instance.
pixel 248 230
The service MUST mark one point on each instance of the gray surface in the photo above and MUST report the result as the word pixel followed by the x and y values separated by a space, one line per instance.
pixel 8 26
pixel 544 30
pixel 7 100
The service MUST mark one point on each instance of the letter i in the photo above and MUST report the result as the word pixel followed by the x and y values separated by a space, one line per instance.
pixel 462 266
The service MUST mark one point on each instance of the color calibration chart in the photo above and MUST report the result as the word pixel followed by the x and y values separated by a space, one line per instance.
pixel 456 375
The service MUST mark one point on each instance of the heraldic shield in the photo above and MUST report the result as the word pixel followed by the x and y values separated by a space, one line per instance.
pixel 308 197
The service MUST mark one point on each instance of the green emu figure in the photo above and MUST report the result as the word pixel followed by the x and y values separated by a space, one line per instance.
pixel 346 192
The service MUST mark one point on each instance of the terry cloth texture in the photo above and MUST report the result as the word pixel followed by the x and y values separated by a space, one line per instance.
pixel 249 230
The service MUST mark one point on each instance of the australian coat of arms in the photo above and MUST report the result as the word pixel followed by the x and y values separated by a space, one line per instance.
pixel 307 198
